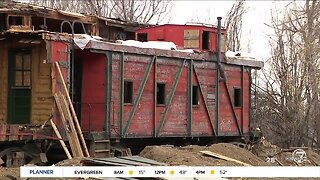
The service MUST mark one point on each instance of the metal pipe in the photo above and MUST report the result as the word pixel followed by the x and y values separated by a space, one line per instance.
pixel 121 92
pixel 218 75
pixel 219 40
pixel 90 117
pixel 242 97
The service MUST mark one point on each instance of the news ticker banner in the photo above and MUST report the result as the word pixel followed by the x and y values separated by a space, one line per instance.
pixel 168 171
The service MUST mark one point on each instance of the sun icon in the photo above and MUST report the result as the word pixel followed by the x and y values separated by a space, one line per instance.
pixel 130 172
pixel 172 172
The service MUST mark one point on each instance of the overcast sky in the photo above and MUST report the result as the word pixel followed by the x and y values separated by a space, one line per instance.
pixel 254 29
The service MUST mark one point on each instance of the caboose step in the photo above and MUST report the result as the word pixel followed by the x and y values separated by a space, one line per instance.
pixel 100 145
pixel 102 153
pixel 102 150
pixel 102 141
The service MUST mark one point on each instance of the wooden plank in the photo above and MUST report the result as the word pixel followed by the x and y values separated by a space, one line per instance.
pixel 3 130
pixel 68 131
pixel 73 112
pixel 69 121
pixel 278 162
pixel 13 131
pixel 213 154
pixel 188 44
pixel 191 34
pixel 61 141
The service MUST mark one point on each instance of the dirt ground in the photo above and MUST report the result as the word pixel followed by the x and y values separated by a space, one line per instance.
pixel 259 155
pixel 262 154
pixel 9 173
pixel 283 157
pixel 191 156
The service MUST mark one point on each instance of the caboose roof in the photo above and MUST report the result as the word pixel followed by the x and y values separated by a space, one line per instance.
pixel 98 45
pixel 187 25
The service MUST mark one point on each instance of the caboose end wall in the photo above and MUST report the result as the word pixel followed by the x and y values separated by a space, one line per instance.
pixel 25 90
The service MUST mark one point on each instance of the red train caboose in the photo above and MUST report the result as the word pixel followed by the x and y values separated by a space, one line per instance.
pixel 122 94
pixel 153 95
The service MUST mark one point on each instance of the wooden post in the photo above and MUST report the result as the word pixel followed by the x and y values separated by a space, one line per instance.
pixel 61 141
pixel 73 112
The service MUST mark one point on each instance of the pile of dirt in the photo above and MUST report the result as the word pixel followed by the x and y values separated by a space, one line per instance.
pixel 283 157
pixel 191 156
pixel 265 149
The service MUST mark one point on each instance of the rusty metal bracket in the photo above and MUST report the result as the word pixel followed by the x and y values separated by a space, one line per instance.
pixel 204 100
pixel 173 90
pixel 232 106
pixel 137 100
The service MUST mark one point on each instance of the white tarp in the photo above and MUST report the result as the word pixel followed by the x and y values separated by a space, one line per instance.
pixel 83 39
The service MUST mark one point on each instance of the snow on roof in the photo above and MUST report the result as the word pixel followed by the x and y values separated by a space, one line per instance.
pixel 150 44
pixel 239 55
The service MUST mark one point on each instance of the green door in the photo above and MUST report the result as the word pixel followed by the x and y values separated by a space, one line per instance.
pixel 19 99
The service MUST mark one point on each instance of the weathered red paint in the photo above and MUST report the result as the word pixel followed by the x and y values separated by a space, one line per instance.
pixel 175 33
pixel 59 53
pixel 176 122
pixel 93 90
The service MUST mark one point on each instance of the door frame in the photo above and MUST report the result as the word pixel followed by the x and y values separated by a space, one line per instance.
pixel 11 80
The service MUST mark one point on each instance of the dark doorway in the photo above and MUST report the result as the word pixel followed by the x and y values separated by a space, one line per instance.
pixel 77 96
pixel 19 86
pixel 205 40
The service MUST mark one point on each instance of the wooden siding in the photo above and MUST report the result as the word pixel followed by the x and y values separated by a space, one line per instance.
pixel 41 87
pixel 41 96
pixel 4 82
pixel 139 118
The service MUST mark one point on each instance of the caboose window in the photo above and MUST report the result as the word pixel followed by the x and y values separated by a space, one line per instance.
pixel 205 40
pixel 143 37
pixel 195 95
pixel 128 91
pixel 237 97
pixel 161 93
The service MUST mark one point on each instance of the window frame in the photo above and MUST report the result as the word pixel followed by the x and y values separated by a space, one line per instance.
pixel 239 99
pixel 163 95
pixel 192 97
pixel 131 89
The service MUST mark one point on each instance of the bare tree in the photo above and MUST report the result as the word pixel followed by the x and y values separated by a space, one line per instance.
pixel 233 23
pixel 289 99
pixel 143 11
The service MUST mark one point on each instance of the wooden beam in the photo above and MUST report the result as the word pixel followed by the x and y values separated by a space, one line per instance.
pixel 68 117
pixel 61 141
pixel 67 129
pixel 84 145
pixel 216 155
